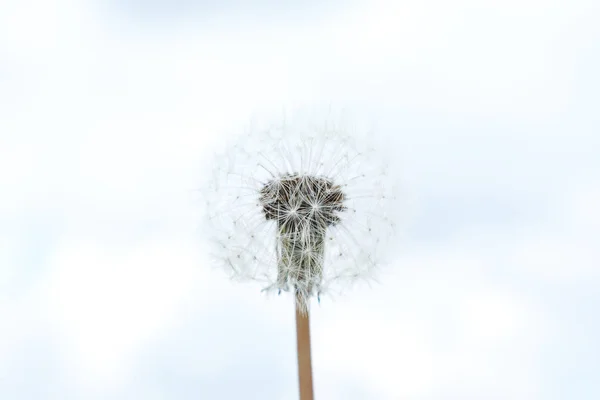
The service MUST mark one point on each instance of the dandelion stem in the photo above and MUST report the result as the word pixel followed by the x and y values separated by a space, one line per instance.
pixel 303 344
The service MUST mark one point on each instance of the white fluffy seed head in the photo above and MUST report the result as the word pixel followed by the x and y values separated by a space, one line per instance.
pixel 302 207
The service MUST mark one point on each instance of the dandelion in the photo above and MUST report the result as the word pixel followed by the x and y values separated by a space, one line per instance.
pixel 302 208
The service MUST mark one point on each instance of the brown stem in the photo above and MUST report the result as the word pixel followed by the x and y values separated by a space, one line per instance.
pixel 304 361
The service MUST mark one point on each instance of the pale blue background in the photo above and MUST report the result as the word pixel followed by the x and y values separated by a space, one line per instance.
pixel 110 110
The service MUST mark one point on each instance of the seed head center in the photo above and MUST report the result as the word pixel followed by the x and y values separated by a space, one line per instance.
pixel 299 202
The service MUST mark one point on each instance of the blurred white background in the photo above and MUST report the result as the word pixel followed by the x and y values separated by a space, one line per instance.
pixel 109 111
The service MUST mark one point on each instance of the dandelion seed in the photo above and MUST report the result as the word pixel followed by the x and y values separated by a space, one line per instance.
pixel 303 207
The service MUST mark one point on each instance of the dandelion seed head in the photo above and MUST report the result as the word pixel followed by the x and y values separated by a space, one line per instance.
pixel 302 207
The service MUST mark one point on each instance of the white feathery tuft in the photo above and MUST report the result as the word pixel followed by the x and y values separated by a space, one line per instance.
pixel 302 207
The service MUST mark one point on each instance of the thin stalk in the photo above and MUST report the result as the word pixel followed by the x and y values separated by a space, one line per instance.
pixel 303 345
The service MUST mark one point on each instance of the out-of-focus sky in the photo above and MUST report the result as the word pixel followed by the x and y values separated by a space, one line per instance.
pixel 109 112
